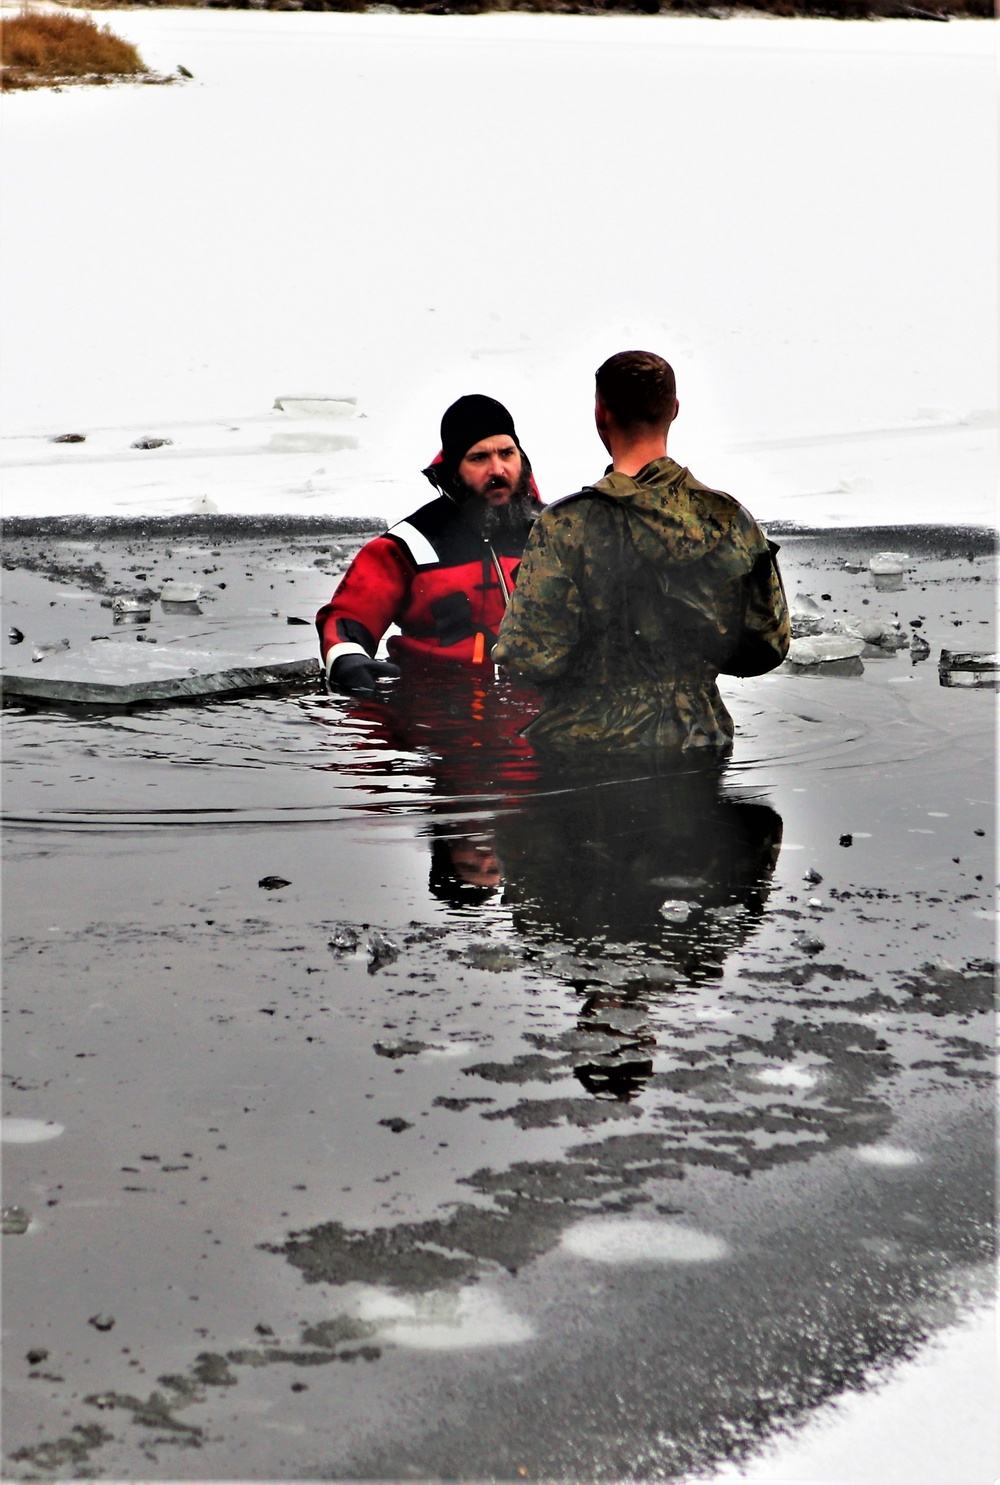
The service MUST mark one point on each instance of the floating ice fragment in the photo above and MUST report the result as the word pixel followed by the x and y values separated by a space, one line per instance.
pixel 888 570
pixel 381 949
pixel 821 649
pixel 442 1320
pixel 29 1131
pixel 676 911
pixel 806 614
pixel 16 1221
pixel 402 1046
pixel 128 610
pixel 623 1240
pixel 887 1155
pixel 885 635
pixel 180 598
pixel 969 668
pixel 344 939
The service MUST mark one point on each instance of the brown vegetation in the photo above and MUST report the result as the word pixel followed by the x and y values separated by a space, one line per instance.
pixel 39 48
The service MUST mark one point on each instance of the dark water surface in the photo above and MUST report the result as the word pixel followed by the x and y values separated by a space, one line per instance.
pixel 431 1111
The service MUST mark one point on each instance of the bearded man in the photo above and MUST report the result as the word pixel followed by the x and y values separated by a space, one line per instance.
pixel 445 574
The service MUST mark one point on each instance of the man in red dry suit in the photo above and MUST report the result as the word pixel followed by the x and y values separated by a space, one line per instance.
pixel 445 574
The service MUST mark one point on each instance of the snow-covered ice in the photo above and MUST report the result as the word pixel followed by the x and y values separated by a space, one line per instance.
pixel 799 214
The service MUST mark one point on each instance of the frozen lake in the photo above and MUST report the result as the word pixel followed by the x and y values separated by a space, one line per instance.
pixel 800 215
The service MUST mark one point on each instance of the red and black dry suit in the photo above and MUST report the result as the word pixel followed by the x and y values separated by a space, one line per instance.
pixel 443 582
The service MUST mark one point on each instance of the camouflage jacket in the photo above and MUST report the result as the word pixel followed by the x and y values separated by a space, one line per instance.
pixel 631 597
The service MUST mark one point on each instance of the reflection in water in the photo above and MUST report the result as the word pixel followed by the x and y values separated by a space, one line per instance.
pixel 665 867
pixel 464 868
pixel 651 861
pixel 667 861
pixel 601 1087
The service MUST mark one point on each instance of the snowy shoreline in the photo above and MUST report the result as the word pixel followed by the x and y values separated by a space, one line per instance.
pixel 335 203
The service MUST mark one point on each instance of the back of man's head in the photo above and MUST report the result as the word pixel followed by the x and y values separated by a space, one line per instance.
pixel 638 389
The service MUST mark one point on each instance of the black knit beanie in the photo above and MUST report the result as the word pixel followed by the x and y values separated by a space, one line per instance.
pixel 466 422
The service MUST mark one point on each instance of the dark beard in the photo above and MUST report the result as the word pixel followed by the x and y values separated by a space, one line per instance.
pixel 512 519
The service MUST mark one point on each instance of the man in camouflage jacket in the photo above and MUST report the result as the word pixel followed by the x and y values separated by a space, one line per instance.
pixel 635 593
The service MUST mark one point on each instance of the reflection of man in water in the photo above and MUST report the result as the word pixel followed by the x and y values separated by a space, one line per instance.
pixel 667 865
pixel 464 868
pixel 445 574
pixel 635 593
pixel 654 881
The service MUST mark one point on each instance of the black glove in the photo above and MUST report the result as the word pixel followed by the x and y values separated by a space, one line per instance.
pixel 359 674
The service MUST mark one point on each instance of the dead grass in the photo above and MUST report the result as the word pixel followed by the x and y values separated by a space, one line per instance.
pixel 38 49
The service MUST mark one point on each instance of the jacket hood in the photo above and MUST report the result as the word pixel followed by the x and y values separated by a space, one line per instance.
pixel 668 508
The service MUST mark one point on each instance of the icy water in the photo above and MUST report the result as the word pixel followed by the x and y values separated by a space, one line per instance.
pixel 386 1103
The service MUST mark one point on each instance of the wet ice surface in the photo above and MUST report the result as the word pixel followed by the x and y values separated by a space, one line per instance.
pixel 404 1133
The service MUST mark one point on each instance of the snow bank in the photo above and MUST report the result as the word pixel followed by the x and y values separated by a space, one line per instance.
pixel 799 214
pixel 933 1423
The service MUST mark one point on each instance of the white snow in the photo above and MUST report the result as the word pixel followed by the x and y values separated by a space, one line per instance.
pixel 799 214
pixel 890 1157
pixel 29 1131
pixel 630 1240
pixel 934 1423
pixel 442 1320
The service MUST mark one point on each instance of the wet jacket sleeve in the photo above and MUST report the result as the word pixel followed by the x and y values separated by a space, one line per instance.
pixel 541 627
pixel 765 632
pixel 370 597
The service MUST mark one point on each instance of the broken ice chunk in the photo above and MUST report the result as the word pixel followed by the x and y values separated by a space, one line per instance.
pixel 180 598
pixel 807 616
pixel 821 649
pixel 126 610
pixel 888 570
pixel 381 949
pixel 16 1220
pixel 969 668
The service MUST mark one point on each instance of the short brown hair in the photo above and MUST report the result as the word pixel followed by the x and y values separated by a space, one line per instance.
pixel 637 387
